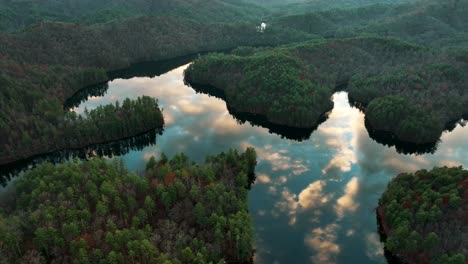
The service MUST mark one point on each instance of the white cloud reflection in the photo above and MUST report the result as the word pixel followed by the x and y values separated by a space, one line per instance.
pixel 289 181
pixel 347 202
pixel 374 248
pixel 312 197
pixel 263 178
pixel 279 159
pixel 324 242
pixel 337 132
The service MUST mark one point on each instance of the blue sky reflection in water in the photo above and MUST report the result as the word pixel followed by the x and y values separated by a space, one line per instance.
pixel 313 200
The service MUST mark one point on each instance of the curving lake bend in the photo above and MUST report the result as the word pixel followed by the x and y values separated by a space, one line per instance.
pixel 314 200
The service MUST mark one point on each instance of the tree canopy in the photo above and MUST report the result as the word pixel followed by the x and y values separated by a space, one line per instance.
pixel 405 89
pixel 97 212
pixel 423 215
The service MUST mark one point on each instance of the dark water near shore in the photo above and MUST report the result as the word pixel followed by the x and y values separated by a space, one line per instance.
pixel 314 200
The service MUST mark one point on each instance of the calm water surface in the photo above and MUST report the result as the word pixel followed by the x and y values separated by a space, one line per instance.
pixel 313 201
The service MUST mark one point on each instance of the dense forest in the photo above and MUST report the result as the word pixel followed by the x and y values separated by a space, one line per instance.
pixel 419 83
pixel 33 120
pixel 46 63
pixel 439 24
pixel 159 38
pixel 97 212
pixel 404 63
pixel 408 90
pixel 422 216
pixel 266 83
pixel 63 47
pixel 18 15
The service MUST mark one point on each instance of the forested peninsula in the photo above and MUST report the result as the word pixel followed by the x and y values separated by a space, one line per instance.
pixel 49 51
pixel 404 64
pixel 408 90
pixel 422 216
pixel 97 212
pixel 45 64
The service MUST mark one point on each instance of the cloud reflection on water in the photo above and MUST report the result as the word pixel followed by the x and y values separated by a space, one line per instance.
pixel 336 133
pixel 347 202
pixel 313 200
pixel 324 242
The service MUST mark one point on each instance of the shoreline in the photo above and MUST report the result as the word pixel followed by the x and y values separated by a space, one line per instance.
pixel 383 230
pixel 15 161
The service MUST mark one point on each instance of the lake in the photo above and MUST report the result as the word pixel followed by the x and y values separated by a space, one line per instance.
pixel 314 199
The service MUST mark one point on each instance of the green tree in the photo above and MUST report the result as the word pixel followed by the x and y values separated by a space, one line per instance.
pixel 151 163
pixel 200 214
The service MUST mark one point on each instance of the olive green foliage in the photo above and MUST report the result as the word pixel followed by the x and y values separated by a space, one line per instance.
pixel 396 113
pixel 423 215
pixel 412 91
pixel 15 16
pixel 428 97
pixel 306 6
pixel 159 38
pixel 269 83
pixel 98 212
pixel 427 22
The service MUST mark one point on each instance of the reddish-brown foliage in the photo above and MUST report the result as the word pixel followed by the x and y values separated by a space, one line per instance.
pixel 463 184
pixel 154 183
pixel 89 240
pixel 43 67
pixel 169 178
pixel 445 199
pixel 16 69
pixel 444 87
pixel 423 177
pixel 465 194
pixel 465 215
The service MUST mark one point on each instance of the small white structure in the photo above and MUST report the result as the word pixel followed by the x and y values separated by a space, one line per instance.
pixel 262 27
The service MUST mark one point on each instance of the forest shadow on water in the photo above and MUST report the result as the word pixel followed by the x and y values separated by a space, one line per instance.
pixel 109 149
pixel 287 132
pixel 390 140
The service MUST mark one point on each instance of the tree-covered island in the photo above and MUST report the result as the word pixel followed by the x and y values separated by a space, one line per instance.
pixel 97 212
pixel 423 216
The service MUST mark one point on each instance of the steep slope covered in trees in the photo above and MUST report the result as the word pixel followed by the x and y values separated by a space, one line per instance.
pixel 18 15
pixel 118 44
pixel 97 212
pixel 423 216
pixel 411 91
pixel 435 23
pixel 295 7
